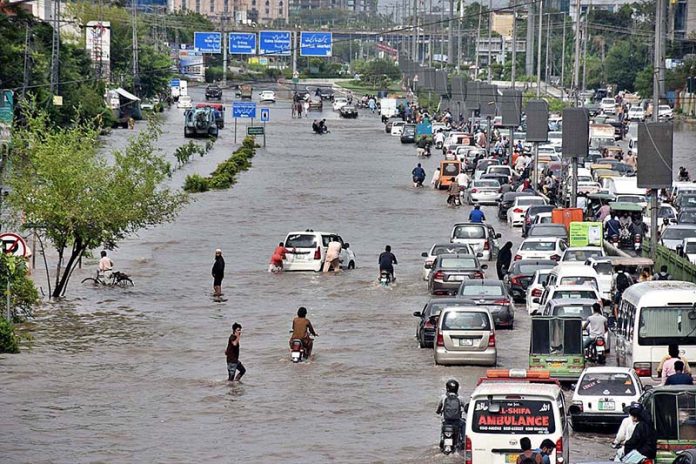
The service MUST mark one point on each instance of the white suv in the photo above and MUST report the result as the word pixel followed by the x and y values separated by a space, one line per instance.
pixel 306 251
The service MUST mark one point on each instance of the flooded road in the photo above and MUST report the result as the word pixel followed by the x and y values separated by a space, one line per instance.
pixel 139 375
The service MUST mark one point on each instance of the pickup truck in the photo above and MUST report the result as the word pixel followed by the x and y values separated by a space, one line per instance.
pixel 245 91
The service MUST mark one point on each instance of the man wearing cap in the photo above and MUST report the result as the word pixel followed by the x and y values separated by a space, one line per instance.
pixel 218 273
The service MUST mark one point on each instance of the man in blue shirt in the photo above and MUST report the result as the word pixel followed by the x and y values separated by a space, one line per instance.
pixel 679 377
pixel 476 215
pixel 547 447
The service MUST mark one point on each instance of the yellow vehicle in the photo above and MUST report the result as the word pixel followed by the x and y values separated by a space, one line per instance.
pixel 448 170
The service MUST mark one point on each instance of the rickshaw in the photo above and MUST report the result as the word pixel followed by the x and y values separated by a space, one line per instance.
pixel 448 170
pixel 622 209
pixel 632 266
pixel 604 173
pixel 611 152
pixel 673 412
pixel 594 202
pixel 556 345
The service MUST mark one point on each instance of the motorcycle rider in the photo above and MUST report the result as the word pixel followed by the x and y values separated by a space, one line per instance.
pixel 597 325
pixel 643 442
pixel 476 215
pixel 450 407
pixel 613 227
pixel 453 192
pixel 386 262
pixel 638 227
pixel 422 146
pixel 418 174
pixel 301 329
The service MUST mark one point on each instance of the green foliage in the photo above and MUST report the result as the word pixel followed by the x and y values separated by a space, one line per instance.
pixel 196 183
pixel 60 180
pixel 644 82
pixel 184 153
pixel 226 172
pixel 9 341
pixel 624 61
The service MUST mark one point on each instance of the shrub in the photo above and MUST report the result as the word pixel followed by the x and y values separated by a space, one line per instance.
pixel 225 173
pixel 9 342
pixel 196 183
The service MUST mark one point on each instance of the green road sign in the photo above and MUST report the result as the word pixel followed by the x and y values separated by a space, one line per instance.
pixel 255 130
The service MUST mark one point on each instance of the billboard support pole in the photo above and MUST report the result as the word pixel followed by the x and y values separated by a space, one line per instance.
pixel 235 130
pixel 574 185
pixel 264 134
pixel 293 43
pixel 224 52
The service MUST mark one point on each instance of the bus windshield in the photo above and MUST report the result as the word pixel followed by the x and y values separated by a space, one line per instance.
pixel 664 325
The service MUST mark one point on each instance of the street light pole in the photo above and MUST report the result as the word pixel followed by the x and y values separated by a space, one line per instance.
pixel 541 24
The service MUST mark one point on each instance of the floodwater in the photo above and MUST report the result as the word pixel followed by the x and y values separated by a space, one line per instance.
pixel 139 375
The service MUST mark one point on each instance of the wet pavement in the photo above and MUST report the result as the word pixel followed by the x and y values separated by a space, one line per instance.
pixel 139 375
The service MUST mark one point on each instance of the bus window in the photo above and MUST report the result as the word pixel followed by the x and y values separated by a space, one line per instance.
pixel 666 325
pixel 666 417
pixel 686 407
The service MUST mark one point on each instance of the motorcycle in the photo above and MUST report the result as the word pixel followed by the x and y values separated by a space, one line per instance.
pixel 449 438
pixel 297 350
pixel 596 352
pixel 439 145
pixel 427 152
pixel 454 200
pixel 614 239
pixel 418 182
pixel 385 278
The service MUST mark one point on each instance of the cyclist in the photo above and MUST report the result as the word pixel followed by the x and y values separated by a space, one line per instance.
pixel 105 265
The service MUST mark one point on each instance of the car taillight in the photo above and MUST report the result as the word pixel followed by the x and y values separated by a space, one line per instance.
pixel 467 450
pixel 518 257
pixel 478 275
pixel 642 369
pixel 486 246
pixel 536 292
pixel 317 253
pixel 555 257
pixel 559 451
pixel 438 275
pixel 428 325
pixel 518 210
pixel 440 339
pixel 474 190
pixel 491 340
pixel 502 301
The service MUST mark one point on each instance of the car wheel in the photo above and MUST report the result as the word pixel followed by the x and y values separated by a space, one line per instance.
pixel 420 342
pixel 351 265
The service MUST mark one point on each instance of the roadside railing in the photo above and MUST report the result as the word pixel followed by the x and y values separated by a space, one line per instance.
pixel 680 268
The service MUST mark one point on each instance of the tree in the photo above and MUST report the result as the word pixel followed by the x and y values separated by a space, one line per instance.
pixel 644 82
pixel 623 62
pixel 61 182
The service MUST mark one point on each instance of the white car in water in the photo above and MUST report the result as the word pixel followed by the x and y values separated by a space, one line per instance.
pixel 267 96
pixel 541 248
pixel 184 102
pixel 340 102
pixel 515 215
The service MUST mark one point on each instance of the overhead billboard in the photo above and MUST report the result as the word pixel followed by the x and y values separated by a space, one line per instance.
pixel 242 43
pixel 316 44
pixel 275 42
pixel 207 42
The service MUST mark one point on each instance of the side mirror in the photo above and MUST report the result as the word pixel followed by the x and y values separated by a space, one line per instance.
pixel 466 407
pixel 536 300
pixel 479 255
pixel 417 314
pixel 424 254
pixel 484 266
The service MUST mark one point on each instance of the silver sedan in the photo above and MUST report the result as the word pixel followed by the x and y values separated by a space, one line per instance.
pixel 483 191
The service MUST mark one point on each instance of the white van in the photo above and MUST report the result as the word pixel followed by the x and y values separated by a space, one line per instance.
pixel 508 405
pixel 388 107
pixel 565 274
pixel 653 315
pixel 623 186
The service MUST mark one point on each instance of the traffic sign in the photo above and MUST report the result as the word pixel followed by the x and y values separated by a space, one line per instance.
pixel 13 244
pixel 242 109
pixel 242 43
pixel 275 42
pixel 316 44
pixel 265 114
pixel 174 83
pixel 207 42
pixel 255 130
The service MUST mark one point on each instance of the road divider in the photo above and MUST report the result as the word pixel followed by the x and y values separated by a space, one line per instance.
pixel 226 172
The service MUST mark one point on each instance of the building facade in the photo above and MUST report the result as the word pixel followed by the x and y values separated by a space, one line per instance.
pixel 357 6
pixel 239 11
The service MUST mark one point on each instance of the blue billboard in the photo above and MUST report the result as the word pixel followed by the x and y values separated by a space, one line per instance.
pixel 242 109
pixel 242 43
pixel 275 42
pixel 315 43
pixel 207 42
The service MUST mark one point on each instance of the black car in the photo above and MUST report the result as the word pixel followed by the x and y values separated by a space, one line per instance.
pixel 547 230
pixel 491 294
pixel 409 134
pixel 425 332
pixel 213 92
pixel 507 201
pixel 521 273
pixel 531 214
pixel 348 111
pixel 326 93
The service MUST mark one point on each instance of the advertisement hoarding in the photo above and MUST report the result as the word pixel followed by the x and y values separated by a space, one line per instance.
pixel 207 42
pixel 275 42
pixel 242 43
pixel 191 65
pixel 316 44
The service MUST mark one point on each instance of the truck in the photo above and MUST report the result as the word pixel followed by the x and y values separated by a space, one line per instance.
pixel 388 107
pixel 246 91
pixel 601 135
pixel 200 122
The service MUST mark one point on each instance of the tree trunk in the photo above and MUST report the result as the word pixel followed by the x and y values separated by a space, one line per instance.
pixel 62 281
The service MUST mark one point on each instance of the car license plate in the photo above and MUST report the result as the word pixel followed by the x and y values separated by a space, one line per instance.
pixel 555 365
pixel 457 277
pixel 606 406
pixel 466 342
pixel 449 442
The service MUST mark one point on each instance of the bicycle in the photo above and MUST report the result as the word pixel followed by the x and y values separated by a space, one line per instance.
pixel 117 279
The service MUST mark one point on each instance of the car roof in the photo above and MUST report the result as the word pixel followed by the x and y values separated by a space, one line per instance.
pixel 515 386
pixel 458 224
pixel 681 226
pixel 311 232
pixel 573 287
pixel 483 282
pixel 453 301
pixel 609 369
pixel 540 226
pixel 541 239
pixel 571 301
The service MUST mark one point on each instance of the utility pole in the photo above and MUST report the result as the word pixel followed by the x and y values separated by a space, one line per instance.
pixel 415 30
pixel 514 48
pixel 585 37
pixel 442 36
pixel 224 49
pixel 25 82
pixel 478 40
pixel 576 70
pixel 541 24
pixel 459 36
pixel 546 67
pixel 136 70
pixel 529 56
pixel 657 66
pixel 55 50
pixel 450 38
pixel 490 25
pixel 563 58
